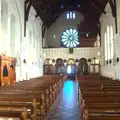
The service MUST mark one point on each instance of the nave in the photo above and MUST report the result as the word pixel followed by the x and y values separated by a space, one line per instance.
pixel 43 41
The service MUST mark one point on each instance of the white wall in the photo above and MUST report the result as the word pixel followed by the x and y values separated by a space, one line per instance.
pixel 45 43
pixel 110 70
pixel 23 48
pixel 55 53
pixel 59 26
pixel 0 30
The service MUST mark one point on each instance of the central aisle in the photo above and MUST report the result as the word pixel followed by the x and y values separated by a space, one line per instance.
pixel 66 107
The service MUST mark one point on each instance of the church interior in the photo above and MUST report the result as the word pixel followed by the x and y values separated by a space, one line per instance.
pixel 59 60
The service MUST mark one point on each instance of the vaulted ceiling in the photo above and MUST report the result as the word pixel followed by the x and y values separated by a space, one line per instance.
pixel 50 10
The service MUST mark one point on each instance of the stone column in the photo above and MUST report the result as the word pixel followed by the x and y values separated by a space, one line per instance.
pixel 118 15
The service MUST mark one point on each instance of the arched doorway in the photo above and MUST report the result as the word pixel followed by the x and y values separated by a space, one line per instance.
pixel 59 66
pixel 48 67
pixel 83 66
pixel 71 66
pixel 94 67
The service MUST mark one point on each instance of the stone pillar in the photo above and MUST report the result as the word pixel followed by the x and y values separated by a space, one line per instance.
pixel 118 15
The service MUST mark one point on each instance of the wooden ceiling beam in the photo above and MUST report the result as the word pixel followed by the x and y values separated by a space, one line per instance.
pixel 37 4
pixel 98 7
pixel 55 9
pixel 45 4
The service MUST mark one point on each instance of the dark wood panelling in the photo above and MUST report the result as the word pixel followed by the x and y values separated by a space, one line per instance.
pixel 7 70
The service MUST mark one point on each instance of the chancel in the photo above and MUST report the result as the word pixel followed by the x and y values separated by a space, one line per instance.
pixel 59 60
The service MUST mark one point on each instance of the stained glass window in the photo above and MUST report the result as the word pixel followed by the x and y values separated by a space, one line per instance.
pixel 70 38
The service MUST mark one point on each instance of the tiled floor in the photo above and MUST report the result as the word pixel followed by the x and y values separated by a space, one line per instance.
pixel 66 107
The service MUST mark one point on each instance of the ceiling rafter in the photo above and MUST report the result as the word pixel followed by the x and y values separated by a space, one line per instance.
pixel 37 4
pixel 96 5
pixel 45 4
pixel 50 10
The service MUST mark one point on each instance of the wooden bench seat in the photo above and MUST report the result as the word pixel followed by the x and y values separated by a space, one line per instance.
pixel 20 114
pixel 101 105
pixel 103 117
pixel 48 93
pixel 16 97
pixel 100 112
pixel 99 97
pixel 99 90
pixel 100 94
pixel 19 95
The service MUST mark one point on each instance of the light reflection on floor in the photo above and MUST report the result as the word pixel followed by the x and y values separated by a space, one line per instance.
pixel 68 93
pixel 66 107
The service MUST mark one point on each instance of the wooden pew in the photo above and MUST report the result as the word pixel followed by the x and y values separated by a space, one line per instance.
pixel 104 117
pixel 20 114
pixel 21 94
pixel 100 99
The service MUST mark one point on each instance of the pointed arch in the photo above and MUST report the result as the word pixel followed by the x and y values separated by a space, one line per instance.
pixel 114 12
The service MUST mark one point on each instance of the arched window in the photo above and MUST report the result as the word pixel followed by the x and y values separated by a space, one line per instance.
pixel 108 42
pixel 37 46
pixel 70 38
pixel 12 35
pixel 70 15
pixel 105 49
pixel 34 39
pixel 111 41
pixel 109 46
pixel 4 22
pixel 30 37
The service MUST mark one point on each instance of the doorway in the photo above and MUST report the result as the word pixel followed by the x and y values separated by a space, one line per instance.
pixel 71 69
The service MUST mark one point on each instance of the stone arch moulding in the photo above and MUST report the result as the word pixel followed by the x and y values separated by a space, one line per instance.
pixel 59 61
pixel 27 6
pixel 71 61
